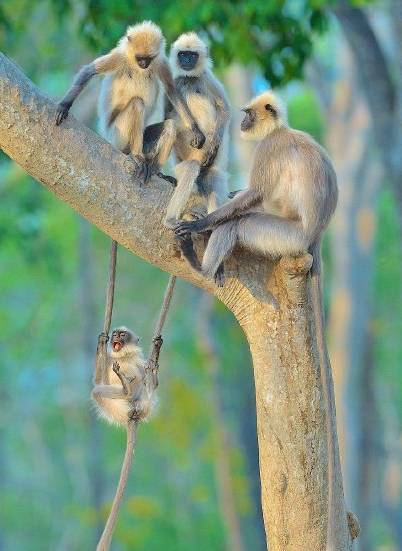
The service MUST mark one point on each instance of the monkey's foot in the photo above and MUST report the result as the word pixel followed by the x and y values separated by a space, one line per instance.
pixel 142 170
pixel 136 413
pixel 219 277
pixel 62 112
pixel 182 227
pixel 186 246
pixel 171 179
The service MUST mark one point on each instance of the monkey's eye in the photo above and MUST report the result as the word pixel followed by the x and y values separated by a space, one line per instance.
pixel 271 109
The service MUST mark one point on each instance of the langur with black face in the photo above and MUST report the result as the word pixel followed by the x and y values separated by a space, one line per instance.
pixel 134 72
pixel 205 98
pixel 123 396
pixel 290 200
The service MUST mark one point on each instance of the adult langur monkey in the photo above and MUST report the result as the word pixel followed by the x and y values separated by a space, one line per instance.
pixel 205 98
pixel 134 70
pixel 291 197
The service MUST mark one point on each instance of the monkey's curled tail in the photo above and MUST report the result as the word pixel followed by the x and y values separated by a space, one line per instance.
pixel 106 538
pixel 327 384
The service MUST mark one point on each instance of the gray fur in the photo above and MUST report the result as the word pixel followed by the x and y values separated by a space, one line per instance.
pixel 205 99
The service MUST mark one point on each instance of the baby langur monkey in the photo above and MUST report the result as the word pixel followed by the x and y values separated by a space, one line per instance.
pixel 291 197
pixel 121 393
pixel 123 396
pixel 134 70
pixel 206 99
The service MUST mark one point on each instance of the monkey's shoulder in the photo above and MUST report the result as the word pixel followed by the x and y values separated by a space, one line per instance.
pixel 299 144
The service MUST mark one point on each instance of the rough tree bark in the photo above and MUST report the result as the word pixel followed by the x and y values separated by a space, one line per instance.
pixel 270 301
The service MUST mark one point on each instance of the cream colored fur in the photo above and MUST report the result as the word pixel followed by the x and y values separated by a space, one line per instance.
pixel 265 123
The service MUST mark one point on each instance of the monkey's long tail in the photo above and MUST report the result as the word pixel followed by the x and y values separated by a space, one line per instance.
pixel 106 538
pixel 327 384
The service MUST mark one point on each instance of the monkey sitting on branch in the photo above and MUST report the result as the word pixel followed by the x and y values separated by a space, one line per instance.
pixel 128 98
pixel 205 98
pixel 291 197
pixel 124 395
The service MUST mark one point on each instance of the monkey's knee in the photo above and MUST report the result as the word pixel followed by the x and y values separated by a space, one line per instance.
pixel 169 128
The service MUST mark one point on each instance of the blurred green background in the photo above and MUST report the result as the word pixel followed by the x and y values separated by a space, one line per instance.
pixel 195 482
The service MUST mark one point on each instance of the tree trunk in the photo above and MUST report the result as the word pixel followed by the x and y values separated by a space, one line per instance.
pixel 271 302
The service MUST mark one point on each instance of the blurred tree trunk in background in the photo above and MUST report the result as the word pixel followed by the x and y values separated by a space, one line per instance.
pixel 89 323
pixel 381 83
pixel 238 81
pixel 348 131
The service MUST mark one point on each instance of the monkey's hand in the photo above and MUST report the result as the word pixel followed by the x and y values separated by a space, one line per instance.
pixel 232 194
pixel 182 227
pixel 157 342
pixel 198 139
pixel 62 111
pixel 103 338
pixel 116 367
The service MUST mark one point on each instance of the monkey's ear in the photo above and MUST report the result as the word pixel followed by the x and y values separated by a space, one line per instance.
pixel 271 109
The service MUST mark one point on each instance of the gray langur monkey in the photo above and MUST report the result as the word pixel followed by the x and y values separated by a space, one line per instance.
pixel 205 98
pixel 291 197
pixel 121 392
pixel 123 396
pixel 134 70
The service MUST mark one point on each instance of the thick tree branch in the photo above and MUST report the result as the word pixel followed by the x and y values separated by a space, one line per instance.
pixel 270 301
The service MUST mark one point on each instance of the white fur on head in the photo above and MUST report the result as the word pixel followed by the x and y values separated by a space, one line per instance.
pixel 266 122
pixel 143 39
pixel 190 42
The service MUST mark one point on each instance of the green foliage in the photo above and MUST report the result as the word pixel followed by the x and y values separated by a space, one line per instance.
pixel 277 35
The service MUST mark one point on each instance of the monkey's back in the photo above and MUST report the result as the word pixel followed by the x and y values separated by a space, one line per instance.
pixel 297 178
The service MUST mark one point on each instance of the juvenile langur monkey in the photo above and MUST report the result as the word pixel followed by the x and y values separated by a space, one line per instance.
pixel 134 70
pixel 121 393
pixel 291 197
pixel 206 99
pixel 123 397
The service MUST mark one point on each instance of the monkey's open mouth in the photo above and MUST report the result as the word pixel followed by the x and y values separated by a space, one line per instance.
pixel 117 346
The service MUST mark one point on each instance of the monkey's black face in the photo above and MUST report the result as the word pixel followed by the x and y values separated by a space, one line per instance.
pixel 187 59
pixel 122 337
pixel 249 120
pixel 144 61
